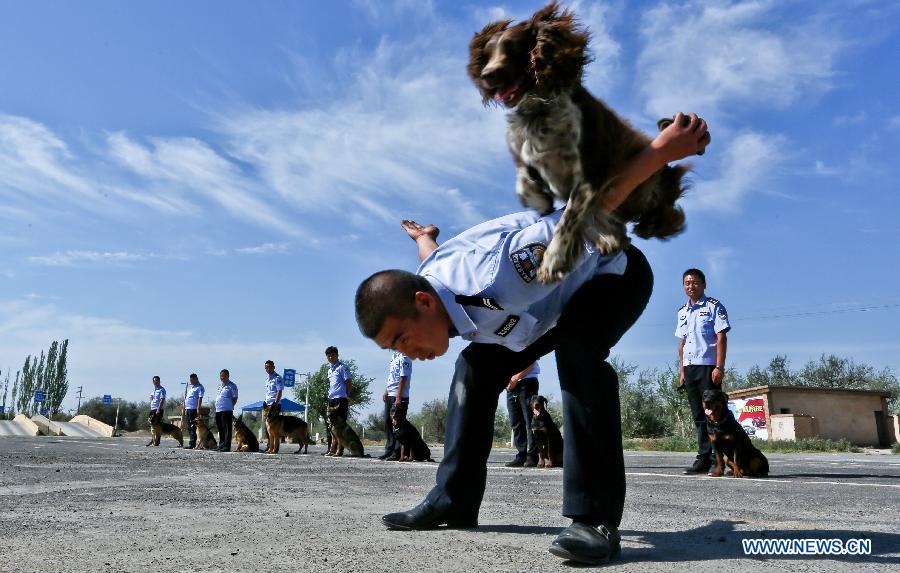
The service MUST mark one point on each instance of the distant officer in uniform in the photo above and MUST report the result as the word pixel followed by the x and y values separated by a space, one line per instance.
pixel 521 388
pixel 482 286
pixel 226 399
pixel 395 394
pixel 274 389
pixel 157 404
pixel 339 387
pixel 701 330
pixel 192 403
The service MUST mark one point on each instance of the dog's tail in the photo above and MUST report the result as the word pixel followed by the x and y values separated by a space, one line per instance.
pixel 665 219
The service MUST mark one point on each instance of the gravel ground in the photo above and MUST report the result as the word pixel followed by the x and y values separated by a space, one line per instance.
pixel 73 505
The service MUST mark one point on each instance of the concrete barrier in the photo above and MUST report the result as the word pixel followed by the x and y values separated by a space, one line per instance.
pixel 48 427
pixel 94 424
pixel 32 428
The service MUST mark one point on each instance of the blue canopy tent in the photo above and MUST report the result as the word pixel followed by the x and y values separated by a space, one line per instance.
pixel 286 406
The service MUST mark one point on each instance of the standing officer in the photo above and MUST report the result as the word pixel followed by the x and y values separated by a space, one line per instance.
pixel 519 392
pixel 395 394
pixel 157 404
pixel 482 285
pixel 192 402
pixel 274 389
pixel 702 343
pixel 339 388
pixel 226 399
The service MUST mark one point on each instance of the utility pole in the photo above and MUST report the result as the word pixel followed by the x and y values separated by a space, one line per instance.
pixel 78 409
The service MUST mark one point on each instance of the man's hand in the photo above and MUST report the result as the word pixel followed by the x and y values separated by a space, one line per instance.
pixel 416 231
pixel 682 138
pixel 384 396
pixel 397 401
pixel 717 375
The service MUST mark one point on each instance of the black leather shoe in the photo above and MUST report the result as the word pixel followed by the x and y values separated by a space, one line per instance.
pixel 585 544
pixel 425 516
pixel 392 458
pixel 515 464
pixel 698 467
pixel 530 463
pixel 383 456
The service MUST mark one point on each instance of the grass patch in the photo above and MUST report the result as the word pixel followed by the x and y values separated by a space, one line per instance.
pixel 895 449
pixel 679 444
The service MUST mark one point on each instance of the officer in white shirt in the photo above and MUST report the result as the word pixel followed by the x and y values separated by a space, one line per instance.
pixel 482 286
pixel 274 389
pixel 192 402
pixel 702 344
pixel 157 405
pixel 339 388
pixel 396 393
pixel 521 388
pixel 226 399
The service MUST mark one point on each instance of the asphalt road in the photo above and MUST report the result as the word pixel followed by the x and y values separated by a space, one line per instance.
pixel 74 504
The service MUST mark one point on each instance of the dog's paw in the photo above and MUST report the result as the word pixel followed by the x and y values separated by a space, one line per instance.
pixel 715 473
pixel 557 261
pixel 607 244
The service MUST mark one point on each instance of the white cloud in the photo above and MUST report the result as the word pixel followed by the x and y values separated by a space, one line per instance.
pixel 894 122
pixel 71 258
pixel 718 260
pixel 731 58
pixel 858 118
pixel 747 164
pixel 265 249
pixel 823 169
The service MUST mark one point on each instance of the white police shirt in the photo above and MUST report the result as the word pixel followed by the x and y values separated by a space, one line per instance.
pixel 274 385
pixel 194 393
pixel 338 374
pixel 228 392
pixel 698 325
pixel 156 396
pixel 400 366
pixel 486 278
pixel 533 373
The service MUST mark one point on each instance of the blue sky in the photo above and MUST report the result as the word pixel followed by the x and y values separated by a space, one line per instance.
pixel 191 186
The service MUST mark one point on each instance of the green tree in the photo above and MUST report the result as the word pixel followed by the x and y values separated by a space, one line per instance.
pixel 56 375
pixel 360 393
pixel 12 402
pixel 26 387
pixel 374 426
pixel 5 393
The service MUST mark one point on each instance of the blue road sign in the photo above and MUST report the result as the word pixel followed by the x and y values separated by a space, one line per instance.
pixel 44 411
pixel 39 396
pixel 107 399
pixel 290 376
pixel 2 409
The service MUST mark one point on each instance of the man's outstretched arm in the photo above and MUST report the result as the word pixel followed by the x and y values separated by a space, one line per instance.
pixel 425 237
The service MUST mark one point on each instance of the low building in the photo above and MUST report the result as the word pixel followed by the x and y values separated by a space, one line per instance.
pixel 794 412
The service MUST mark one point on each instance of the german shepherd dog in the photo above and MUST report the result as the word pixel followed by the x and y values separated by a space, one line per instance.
pixel 566 143
pixel 205 438
pixel 730 441
pixel 343 436
pixel 158 428
pixel 278 426
pixel 412 446
pixel 245 438
pixel 546 435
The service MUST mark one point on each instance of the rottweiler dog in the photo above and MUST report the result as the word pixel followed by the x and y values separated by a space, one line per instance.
pixel 343 436
pixel 412 446
pixel 158 428
pixel 205 438
pixel 245 438
pixel 278 426
pixel 546 435
pixel 730 441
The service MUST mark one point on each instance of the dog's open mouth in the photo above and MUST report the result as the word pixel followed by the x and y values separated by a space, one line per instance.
pixel 509 95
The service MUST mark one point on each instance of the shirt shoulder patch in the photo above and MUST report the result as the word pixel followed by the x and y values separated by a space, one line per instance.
pixel 507 325
pixel 712 300
pixel 527 260
pixel 479 301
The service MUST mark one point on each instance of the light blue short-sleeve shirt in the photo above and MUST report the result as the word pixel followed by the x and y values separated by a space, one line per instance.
pixel 533 373
pixel 194 393
pixel 338 374
pixel 157 396
pixel 274 385
pixel 698 325
pixel 400 366
pixel 486 278
pixel 228 392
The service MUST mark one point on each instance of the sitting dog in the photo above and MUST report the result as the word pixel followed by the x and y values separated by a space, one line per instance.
pixel 205 438
pixel 412 446
pixel 567 144
pixel 278 426
pixel 343 436
pixel 245 438
pixel 730 441
pixel 158 428
pixel 546 435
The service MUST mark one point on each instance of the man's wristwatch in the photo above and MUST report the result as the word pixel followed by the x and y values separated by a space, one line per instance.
pixel 719 368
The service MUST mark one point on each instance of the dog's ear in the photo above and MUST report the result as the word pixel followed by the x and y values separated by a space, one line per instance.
pixel 560 51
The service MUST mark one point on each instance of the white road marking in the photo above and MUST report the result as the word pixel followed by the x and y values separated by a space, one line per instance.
pixel 764 480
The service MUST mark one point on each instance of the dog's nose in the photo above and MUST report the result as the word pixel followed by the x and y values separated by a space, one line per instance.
pixel 490 73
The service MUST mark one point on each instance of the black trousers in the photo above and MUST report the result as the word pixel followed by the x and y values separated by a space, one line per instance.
pixel 343 405
pixel 594 320
pixel 223 422
pixel 191 415
pixel 519 408
pixel 698 379
pixel 391 446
